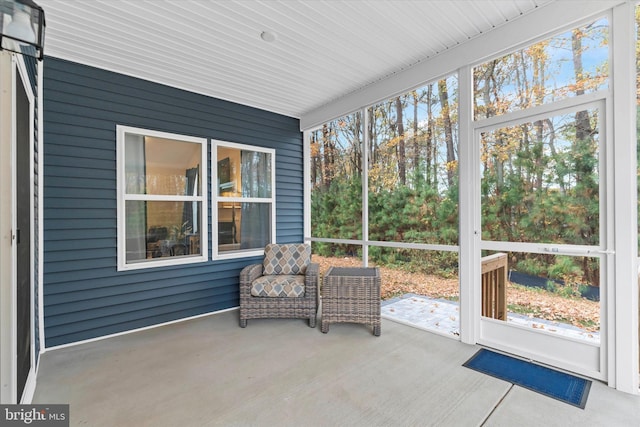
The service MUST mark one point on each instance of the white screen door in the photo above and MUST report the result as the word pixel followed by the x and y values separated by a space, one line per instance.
pixel 543 203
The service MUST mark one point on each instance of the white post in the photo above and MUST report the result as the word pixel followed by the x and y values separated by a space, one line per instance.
pixel 469 240
pixel 365 189
pixel 623 328
pixel 306 167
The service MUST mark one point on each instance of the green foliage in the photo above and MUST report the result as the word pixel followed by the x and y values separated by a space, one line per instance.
pixel 551 286
pixel 337 213
pixel 404 214
pixel 539 180
pixel 564 268
pixel 562 290
pixel 529 265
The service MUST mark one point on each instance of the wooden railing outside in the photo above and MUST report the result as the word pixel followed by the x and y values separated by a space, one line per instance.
pixel 494 286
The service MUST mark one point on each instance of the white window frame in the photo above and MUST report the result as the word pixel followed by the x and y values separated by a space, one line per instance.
pixel 215 198
pixel 123 197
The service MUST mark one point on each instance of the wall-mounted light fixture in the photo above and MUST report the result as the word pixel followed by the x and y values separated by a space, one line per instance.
pixel 22 27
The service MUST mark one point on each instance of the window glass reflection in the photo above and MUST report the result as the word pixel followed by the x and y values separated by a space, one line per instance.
pixel 244 173
pixel 159 229
pixel 162 166
pixel 243 226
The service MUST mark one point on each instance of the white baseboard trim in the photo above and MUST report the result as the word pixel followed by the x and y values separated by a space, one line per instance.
pixel 132 331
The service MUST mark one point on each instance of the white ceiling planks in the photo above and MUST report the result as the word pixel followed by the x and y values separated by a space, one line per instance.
pixel 323 49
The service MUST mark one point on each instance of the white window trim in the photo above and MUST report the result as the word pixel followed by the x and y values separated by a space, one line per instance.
pixel 215 198
pixel 122 197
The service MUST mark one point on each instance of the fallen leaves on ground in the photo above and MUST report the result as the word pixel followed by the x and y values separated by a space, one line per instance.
pixel 536 302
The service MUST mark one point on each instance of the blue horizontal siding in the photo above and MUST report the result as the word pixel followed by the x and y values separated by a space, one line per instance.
pixel 290 187
pixel 104 89
pixel 84 294
pixel 186 116
pixel 104 326
pixel 102 285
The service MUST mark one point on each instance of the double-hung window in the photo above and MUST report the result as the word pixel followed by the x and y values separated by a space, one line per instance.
pixel 162 203
pixel 244 199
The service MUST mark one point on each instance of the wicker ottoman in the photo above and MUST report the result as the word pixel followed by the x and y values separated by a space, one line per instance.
pixel 351 295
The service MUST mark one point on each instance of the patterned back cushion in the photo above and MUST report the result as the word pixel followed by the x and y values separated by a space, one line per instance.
pixel 286 259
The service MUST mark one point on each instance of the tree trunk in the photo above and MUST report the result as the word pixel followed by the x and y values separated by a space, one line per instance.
pixel 402 170
pixel 373 138
pixel 417 173
pixel 584 133
pixel 583 153
pixel 314 160
pixel 327 151
pixel 429 138
pixel 491 110
pixel 448 131
pixel 357 144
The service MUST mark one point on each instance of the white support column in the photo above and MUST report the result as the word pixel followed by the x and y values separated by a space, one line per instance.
pixel 365 188
pixel 306 168
pixel 40 196
pixel 469 240
pixel 623 344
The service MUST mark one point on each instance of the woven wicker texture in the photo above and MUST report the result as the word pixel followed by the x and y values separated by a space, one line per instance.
pixel 351 295
pixel 257 307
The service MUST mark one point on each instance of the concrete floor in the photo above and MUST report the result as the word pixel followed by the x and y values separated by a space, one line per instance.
pixel 210 372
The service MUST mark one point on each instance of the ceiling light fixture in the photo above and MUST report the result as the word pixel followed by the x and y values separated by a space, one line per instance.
pixel 267 36
pixel 22 27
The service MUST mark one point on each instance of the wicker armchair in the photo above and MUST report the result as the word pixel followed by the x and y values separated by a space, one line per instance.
pixel 285 285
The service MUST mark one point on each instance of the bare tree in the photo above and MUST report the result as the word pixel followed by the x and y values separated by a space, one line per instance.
pixel 584 132
pixel 416 145
pixel 430 172
pixel 402 171
pixel 328 144
pixel 448 130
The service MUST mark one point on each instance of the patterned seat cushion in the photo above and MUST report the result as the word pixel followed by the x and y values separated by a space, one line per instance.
pixel 282 285
pixel 286 259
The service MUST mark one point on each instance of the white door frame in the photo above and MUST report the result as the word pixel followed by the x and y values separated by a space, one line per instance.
pixel 12 66
pixel 623 305
pixel 574 355
pixel 622 355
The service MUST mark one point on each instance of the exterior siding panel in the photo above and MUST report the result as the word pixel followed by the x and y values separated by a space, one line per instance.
pixel 84 294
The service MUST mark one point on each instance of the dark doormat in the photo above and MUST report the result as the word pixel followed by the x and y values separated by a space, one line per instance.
pixel 558 385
